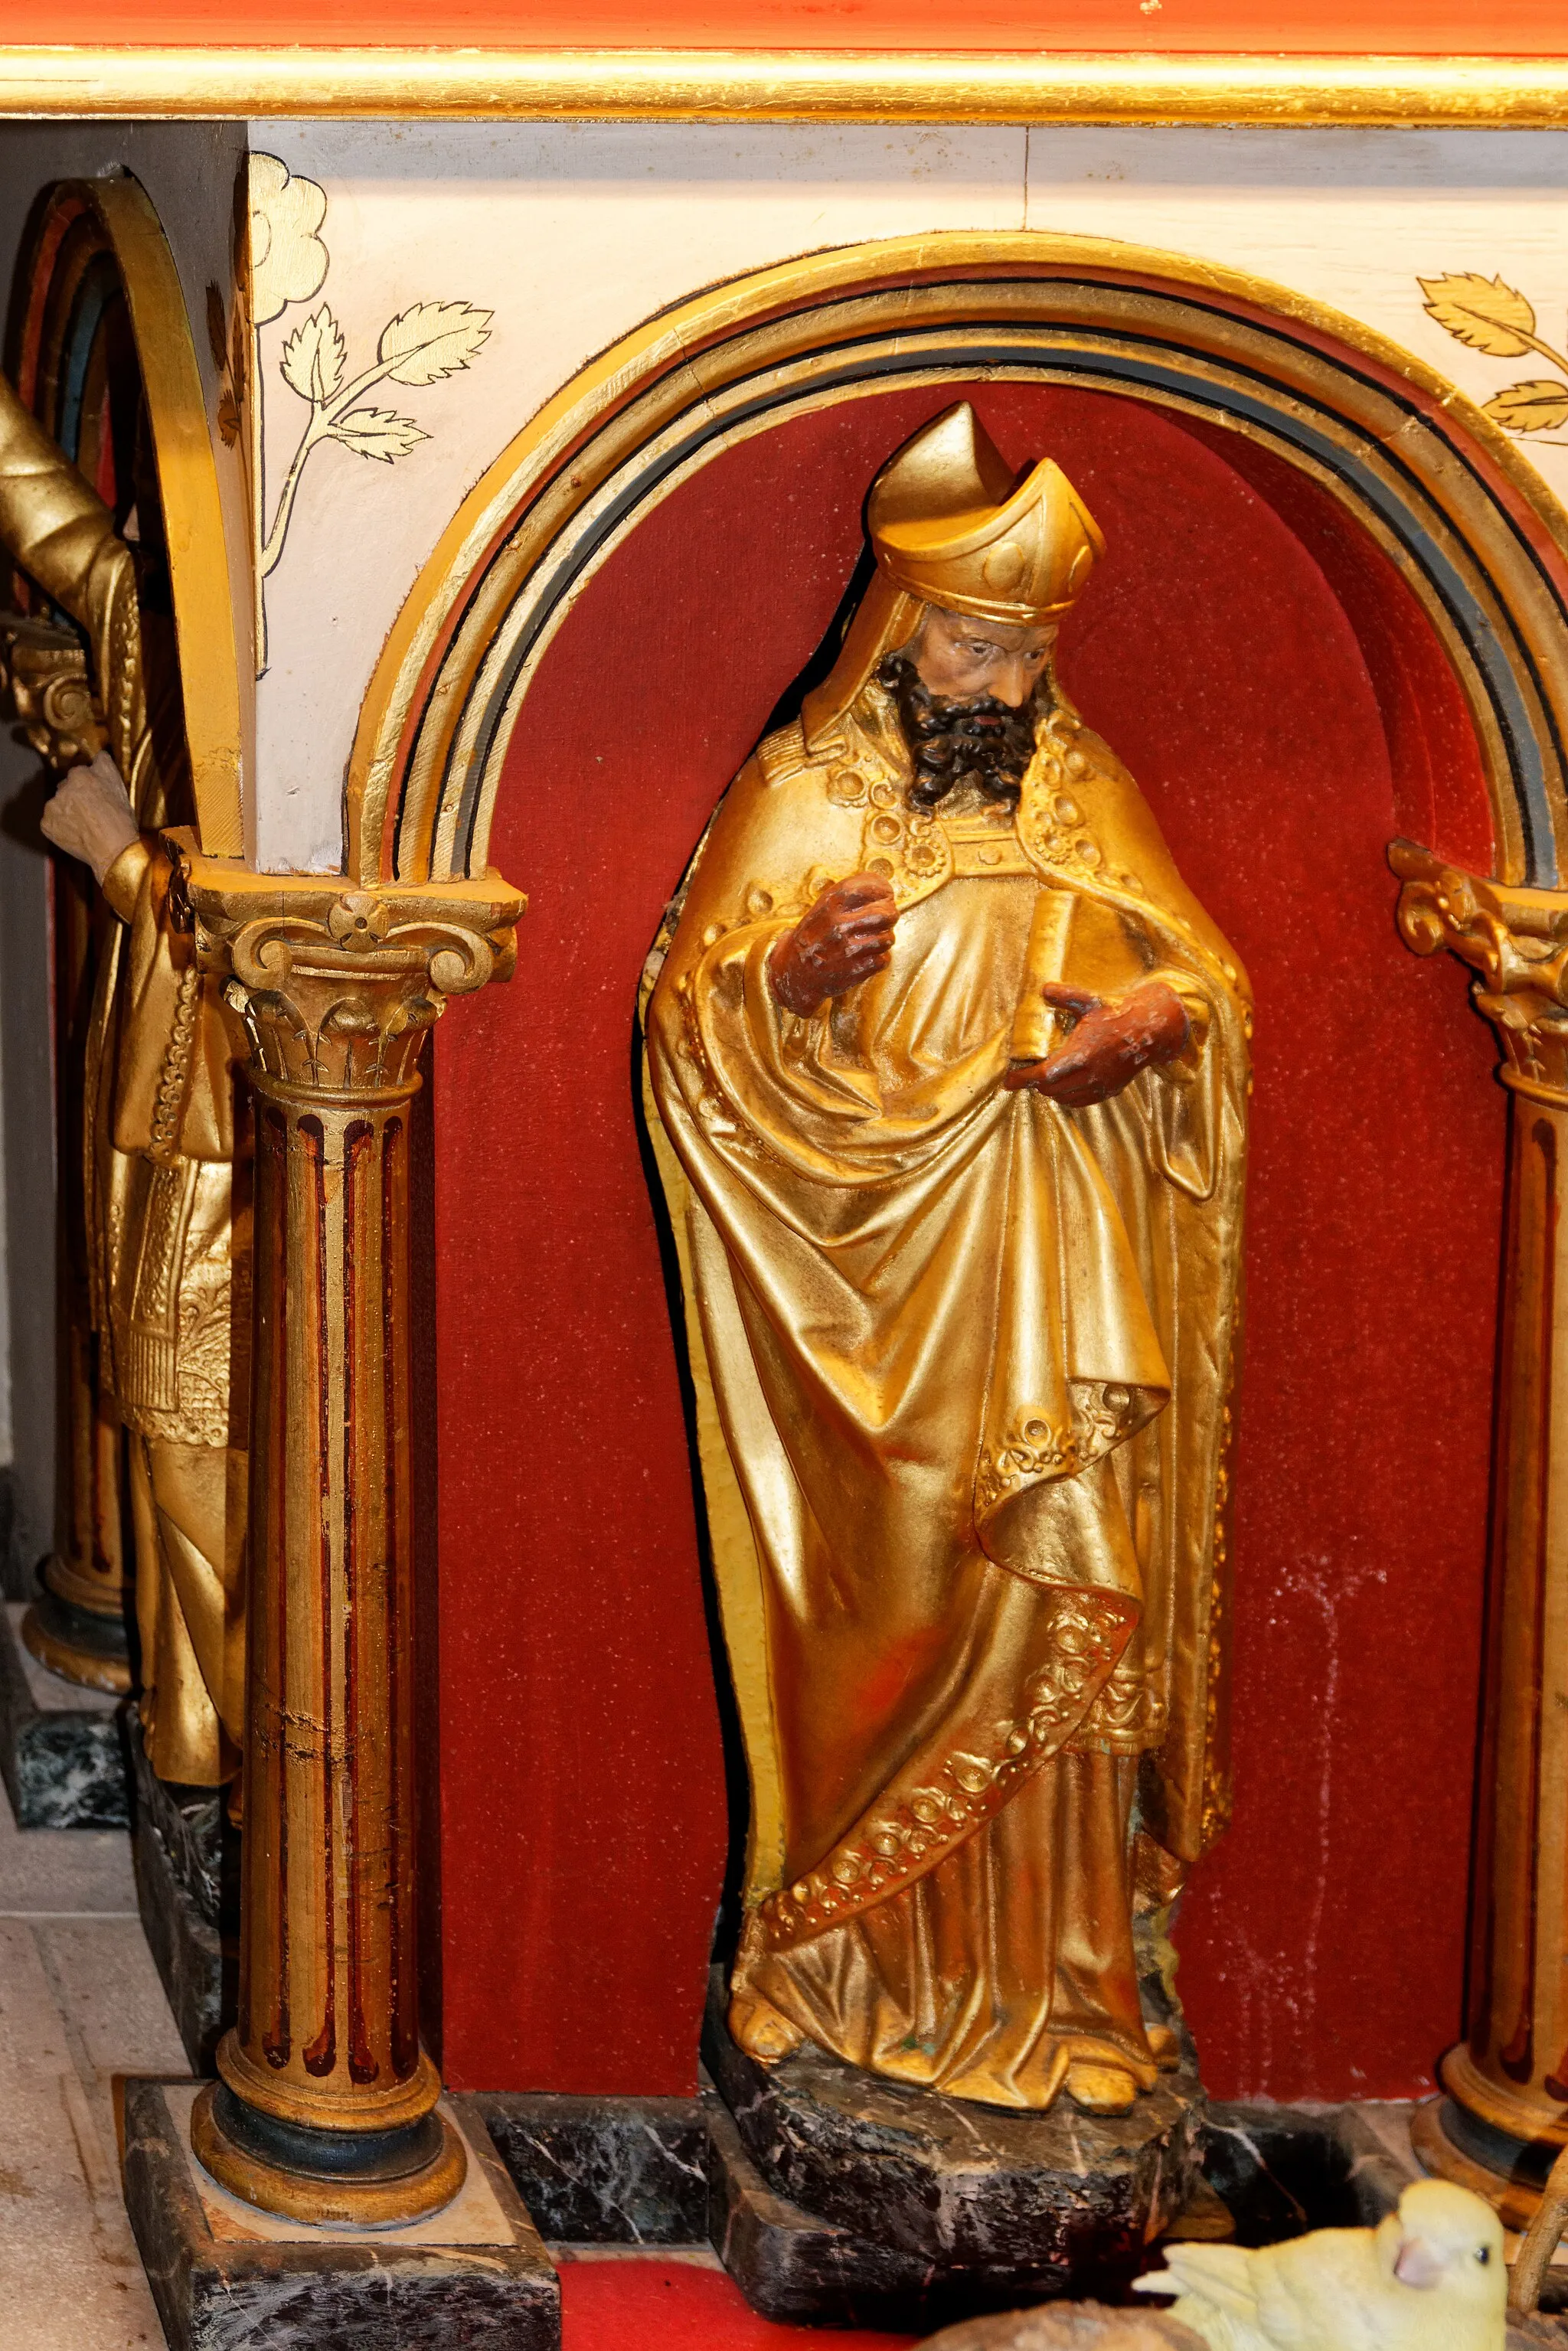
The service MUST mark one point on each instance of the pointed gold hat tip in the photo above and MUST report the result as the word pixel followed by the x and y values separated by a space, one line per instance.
pixel 948 526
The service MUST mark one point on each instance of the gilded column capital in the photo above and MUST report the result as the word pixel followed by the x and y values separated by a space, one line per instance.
pixel 43 674
pixel 1515 940
pixel 337 986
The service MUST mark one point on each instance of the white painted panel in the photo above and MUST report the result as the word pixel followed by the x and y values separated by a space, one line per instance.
pixel 570 234
pixel 1352 218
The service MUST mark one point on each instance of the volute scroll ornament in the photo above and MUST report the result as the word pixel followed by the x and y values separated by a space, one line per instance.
pixel 336 987
pixel 44 677
pixel 1515 939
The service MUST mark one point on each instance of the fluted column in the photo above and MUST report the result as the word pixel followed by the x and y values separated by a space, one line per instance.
pixel 325 2106
pixel 1505 2116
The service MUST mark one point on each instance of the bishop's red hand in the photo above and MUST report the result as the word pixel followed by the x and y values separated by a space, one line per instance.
pixel 1112 1040
pixel 846 936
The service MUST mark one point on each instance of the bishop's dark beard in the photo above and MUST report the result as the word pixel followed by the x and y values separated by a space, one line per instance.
pixel 976 740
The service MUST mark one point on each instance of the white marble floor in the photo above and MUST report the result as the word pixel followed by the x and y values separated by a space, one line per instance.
pixel 80 2008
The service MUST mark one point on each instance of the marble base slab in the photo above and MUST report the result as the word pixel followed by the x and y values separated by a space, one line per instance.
pixel 604 2171
pixel 1283 2169
pixel 225 2276
pixel 797 2269
pixel 186 1862
pixel 61 1754
pixel 1043 2203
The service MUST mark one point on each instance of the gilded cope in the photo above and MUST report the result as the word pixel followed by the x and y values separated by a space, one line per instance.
pixel 950 1070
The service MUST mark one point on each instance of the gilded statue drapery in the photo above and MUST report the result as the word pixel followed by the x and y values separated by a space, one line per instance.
pixel 163 1241
pixel 969 1354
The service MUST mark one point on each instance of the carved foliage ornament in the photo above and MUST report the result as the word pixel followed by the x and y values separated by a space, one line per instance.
pixel 42 676
pixel 336 987
pixel 1514 939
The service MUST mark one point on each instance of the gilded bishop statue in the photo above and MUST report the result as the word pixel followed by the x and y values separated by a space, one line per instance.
pixel 950 1076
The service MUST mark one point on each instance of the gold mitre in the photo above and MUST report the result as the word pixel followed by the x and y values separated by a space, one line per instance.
pixel 950 527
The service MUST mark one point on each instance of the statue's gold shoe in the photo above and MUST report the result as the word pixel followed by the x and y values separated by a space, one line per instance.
pixel 1101 2089
pixel 757 2026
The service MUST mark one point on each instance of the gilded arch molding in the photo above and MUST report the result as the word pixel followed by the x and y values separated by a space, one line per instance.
pixel 1472 528
pixel 114 219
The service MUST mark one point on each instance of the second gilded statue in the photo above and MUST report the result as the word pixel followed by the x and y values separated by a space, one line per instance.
pixel 950 1074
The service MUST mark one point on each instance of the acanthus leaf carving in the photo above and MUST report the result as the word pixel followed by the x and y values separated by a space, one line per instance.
pixel 1514 938
pixel 337 987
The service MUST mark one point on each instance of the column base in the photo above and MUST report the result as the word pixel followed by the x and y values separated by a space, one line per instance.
pixel 360 2180
pixel 61 1754
pixel 1509 2173
pixel 78 1644
pixel 224 2275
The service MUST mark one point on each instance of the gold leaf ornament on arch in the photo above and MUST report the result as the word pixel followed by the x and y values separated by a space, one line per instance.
pixel 1489 315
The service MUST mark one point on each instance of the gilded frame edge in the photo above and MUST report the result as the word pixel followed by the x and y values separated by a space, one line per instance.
pixel 173 82
pixel 193 514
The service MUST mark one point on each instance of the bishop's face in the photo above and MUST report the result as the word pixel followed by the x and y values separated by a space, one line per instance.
pixel 959 658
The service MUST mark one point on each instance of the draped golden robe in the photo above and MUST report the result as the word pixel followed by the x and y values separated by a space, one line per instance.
pixel 968 1356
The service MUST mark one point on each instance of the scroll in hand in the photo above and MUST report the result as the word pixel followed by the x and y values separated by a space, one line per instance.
pixel 1112 1040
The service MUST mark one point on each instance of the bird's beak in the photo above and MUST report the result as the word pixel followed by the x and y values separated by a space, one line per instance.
pixel 1420 2265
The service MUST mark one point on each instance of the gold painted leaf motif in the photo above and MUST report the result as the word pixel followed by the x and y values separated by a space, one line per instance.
pixel 433 339
pixel 378 433
pixel 314 357
pixel 1537 406
pixel 1484 313
pixel 287 259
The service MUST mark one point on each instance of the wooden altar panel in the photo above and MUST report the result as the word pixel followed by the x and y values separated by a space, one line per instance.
pixel 583 1784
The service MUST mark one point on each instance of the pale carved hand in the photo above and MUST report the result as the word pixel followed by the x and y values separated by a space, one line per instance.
pixel 846 936
pixel 90 816
pixel 1112 1040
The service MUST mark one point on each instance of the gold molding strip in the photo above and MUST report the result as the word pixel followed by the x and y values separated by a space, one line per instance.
pixel 778 85
pixel 192 508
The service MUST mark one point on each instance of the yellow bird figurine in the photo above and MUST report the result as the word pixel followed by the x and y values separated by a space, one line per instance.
pixel 1431 2277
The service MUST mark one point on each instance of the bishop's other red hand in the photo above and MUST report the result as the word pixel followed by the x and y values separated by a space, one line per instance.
pixel 1112 1040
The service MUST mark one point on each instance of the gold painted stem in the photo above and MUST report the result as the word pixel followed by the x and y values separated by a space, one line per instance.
pixel 337 992
pixel 1510 2075
pixel 783 85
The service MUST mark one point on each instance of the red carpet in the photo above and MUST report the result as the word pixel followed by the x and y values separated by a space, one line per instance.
pixel 650 2305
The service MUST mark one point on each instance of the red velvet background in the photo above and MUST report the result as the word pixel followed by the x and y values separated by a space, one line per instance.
pixel 583 1804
